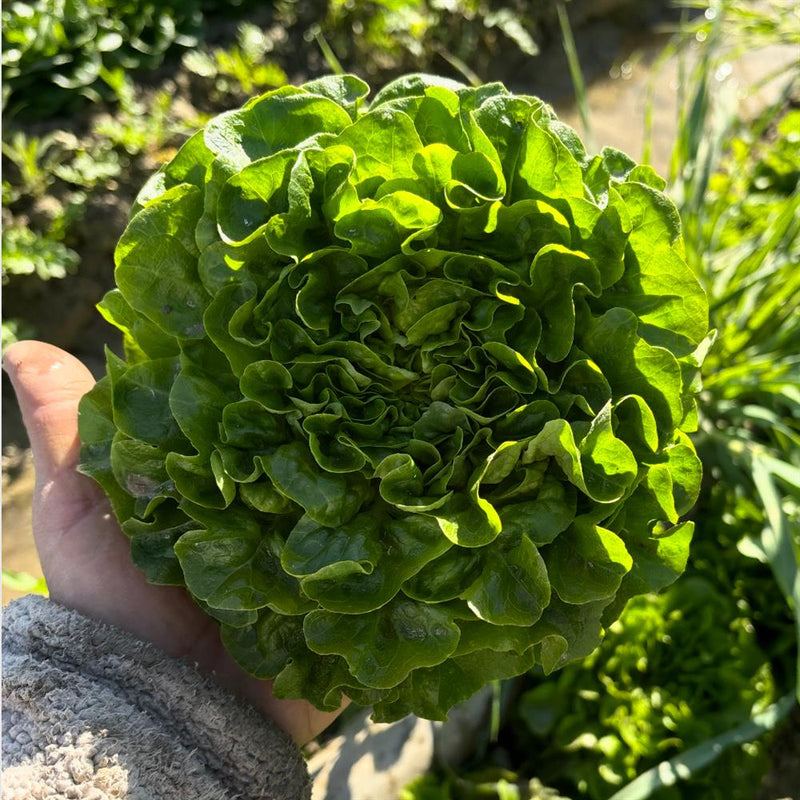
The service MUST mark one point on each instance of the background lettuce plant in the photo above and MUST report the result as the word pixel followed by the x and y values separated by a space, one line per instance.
pixel 407 388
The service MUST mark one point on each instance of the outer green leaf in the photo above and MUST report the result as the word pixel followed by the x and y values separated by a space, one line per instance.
pixel 322 680
pixel 401 484
pixel 568 632
pixel 201 480
pixel 381 647
pixel 138 467
pixel 235 565
pixel 361 565
pixel 636 426
pixel 141 403
pixel 514 588
pixel 411 86
pixel 545 167
pixel 555 274
pixel 427 691
pixel 236 619
pixel 658 285
pixel 379 228
pixel 634 367
pixel 608 464
pixel 328 499
pixel 153 542
pixel 384 142
pixel 173 213
pixel 467 519
pixel 542 519
pixel 587 563
pixel 265 647
pixel 193 394
pixel 602 233
pixel 658 561
pixel 503 121
pixel 274 647
pixel 277 121
pixel 523 229
pixel 603 467
pixel 143 339
pixel 346 91
pixel 446 577
pixel 97 430
pixel 158 277
pixel 253 195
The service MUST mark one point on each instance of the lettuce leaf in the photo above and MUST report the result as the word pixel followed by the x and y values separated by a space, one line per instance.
pixel 404 391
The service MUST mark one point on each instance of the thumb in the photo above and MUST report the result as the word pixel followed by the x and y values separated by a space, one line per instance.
pixel 49 384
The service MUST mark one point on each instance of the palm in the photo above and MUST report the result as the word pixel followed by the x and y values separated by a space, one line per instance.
pixel 85 556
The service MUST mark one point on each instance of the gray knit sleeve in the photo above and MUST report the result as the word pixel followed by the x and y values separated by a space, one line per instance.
pixel 92 713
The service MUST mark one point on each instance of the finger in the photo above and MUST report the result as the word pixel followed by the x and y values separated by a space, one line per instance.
pixel 81 548
pixel 49 384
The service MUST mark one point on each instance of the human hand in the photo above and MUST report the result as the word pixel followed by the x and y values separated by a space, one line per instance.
pixel 85 556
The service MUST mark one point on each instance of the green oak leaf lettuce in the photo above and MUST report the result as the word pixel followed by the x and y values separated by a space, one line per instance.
pixel 406 388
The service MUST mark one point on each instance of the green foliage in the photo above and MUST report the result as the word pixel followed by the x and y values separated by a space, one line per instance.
pixel 48 180
pixel 747 235
pixel 747 27
pixel 138 125
pixel 35 159
pixel 15 330
pixel 406 388
pixel 489 784
pixel 26 252
pixel 22 581
pixel 89 167
pixel 54 51
pixel 750 407
pixel 241 70
pixel 383 36
pixel 39 162
pixel 677 769
pixel 672 672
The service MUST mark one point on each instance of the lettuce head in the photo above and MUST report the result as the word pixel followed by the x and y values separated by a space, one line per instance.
pixel 406 388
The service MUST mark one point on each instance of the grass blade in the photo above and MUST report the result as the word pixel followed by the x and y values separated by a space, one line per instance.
pixel 575 73
pixel 333 63
pixel 459 65
pixel 24 582
pixel 777 544
pixel 776 538
pixel 782 470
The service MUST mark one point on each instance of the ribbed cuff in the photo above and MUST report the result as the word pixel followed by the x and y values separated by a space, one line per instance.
pixel 88 707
